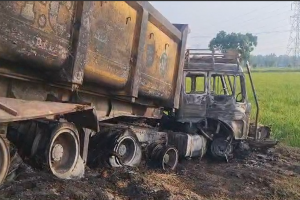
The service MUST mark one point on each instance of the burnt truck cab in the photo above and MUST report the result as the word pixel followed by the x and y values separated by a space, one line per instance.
pixel 214 99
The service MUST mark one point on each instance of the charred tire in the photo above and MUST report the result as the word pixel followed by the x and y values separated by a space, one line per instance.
pixel 128 151
pixel 125 149
pixel 4 160
pixel 162 156
pixel 63 150
pixel 219 148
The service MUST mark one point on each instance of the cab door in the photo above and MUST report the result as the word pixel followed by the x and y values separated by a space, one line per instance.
pixel 193 97
pixel 227 101
pixel 242 103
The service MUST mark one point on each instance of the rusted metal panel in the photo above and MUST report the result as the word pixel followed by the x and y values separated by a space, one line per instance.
pixel 162 61
pixel 17 109
pixel 36 32
pixel 218 67
pixel 74 71
pixel 136 70
pixel 185 30
pixel 126 49
pixel 160 56
pixel 114 58
pixel 112 32
pixel 158 19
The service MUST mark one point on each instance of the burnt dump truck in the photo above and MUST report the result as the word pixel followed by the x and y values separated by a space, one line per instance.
pixel 100 82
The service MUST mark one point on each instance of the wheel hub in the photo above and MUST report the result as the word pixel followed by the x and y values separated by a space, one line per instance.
pixel 57 152
pixel 122 150
pixel 221 147
pixel 166 158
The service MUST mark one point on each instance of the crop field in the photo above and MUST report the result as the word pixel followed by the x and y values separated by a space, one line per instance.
pixel 279 99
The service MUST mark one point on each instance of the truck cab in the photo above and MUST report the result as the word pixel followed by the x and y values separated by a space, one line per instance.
pixel 214 98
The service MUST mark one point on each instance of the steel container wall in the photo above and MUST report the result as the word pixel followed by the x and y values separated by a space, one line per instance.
pixel 111 43
pixel 38 33
pixel 128 48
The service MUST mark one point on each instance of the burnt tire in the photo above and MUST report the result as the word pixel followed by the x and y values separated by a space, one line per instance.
pixel 114 148
pixel 128 150
pixel 220 148
pixel 4 160
pixel 163 156
pixel 63 150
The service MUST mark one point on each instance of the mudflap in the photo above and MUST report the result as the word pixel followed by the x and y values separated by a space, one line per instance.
pixel 263 141
pixel 264 132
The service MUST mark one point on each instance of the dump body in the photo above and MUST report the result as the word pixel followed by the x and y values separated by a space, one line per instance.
pixel 125 48
pixel 65 66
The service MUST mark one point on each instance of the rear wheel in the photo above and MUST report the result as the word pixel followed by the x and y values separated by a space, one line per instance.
pixel 128 150
pixel 163 156
pixel 4 160
pixel 63 150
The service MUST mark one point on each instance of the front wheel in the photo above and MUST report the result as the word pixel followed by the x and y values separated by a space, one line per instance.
pixel 220 148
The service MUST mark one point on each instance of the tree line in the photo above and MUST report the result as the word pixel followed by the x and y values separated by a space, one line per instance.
pixel 245 44
pixel 272 60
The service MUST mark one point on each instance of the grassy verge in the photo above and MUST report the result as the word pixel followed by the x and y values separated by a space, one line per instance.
pixel 279 98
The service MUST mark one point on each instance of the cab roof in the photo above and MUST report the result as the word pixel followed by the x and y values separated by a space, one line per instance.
pixel 206 60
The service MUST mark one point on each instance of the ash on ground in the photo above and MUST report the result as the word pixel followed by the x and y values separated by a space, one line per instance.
pixel 252 174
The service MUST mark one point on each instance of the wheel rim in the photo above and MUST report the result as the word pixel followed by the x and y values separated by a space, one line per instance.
pixel 126 149
pixel 4 160
pixel 170 159
pixel 63 153
pixel 163 156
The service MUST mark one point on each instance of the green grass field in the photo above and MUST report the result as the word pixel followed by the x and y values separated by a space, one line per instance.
pixel 279 99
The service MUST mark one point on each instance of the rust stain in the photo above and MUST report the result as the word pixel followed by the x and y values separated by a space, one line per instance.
pixel 160 55
pixel 41 33
pixel 109 50
pixel 100 43
pixel 34 109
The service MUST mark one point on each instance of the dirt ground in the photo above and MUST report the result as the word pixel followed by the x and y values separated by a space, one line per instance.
pixel 272 174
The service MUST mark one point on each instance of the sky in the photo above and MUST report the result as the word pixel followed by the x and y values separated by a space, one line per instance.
pixel 268 20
